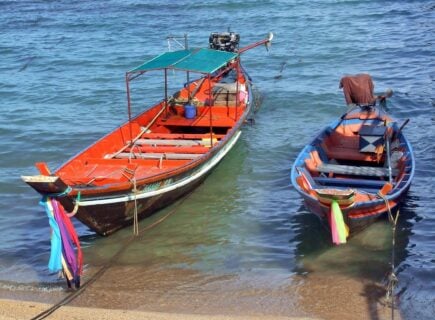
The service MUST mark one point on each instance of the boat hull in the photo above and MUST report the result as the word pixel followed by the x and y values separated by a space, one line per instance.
pixel 106 219
pixel 106 209
pixel 107 214
pixel 166 151
pixel 337 160
pixel 357 218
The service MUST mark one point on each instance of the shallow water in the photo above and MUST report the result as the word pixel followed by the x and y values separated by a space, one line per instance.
pixel 62 87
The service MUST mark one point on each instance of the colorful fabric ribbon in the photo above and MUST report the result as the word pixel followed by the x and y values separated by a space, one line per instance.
pixel 339 229
pixel 66 254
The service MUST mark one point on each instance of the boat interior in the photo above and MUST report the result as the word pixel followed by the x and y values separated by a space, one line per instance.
pixel 165 137
pixel 356 154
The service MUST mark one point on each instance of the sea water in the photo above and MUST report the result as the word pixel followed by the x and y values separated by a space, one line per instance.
pixel 62 87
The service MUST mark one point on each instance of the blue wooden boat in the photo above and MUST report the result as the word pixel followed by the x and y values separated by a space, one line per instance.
pixel 358 168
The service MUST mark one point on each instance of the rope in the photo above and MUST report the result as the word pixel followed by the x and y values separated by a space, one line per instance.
pixel 127 173
pixel 392 278
pixel 60 194
pixel 76 207
pixel 144 130
pixel 105 176
pixel 104 268
pixel 135 218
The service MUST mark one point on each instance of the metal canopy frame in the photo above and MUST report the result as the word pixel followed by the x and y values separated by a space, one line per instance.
pixel 203 61
pixel 194 60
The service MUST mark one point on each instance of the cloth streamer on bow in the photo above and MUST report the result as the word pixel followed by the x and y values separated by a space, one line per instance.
pixel 66 254
pixel 338 227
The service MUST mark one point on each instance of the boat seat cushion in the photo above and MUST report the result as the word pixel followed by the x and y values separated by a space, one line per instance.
pixel 350 154
pixel 371 138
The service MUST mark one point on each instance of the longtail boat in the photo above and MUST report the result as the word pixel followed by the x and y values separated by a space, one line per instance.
pixel 358 168
pixel 167 150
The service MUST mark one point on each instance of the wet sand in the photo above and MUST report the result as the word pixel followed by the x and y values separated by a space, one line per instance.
pixel 339 297
pixel 14 310
pixel 127 292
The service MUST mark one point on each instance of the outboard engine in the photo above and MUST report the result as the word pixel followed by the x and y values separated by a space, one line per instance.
pixel 224 41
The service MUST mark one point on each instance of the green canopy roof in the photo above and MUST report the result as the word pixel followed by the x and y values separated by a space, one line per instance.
pixel 196 60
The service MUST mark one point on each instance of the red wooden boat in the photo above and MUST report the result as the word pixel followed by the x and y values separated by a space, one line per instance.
pixel 359 167
pixel 164 152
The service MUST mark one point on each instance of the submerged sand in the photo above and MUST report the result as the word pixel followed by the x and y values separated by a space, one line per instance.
pixel 129 293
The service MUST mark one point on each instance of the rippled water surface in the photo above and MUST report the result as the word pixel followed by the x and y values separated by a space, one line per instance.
pixel 62 87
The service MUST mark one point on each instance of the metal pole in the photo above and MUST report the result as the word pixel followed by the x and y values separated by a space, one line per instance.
pixel 210 105
pixel 390 174
pixel 237 87
pixel 129 105
pixel 166 92
pixel 186 47
pixel 258 43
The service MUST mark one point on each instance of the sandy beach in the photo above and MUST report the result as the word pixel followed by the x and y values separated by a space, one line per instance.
pixel 174 294
pixel 15 310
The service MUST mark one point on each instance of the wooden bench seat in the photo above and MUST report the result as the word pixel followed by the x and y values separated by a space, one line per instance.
pixel 319 183
pixel 199 121
pixel 158 135
pixel 169 156
pixel 346 182
pixel 168 149
pixel 350 154
pixel 172 142
pixel 355 170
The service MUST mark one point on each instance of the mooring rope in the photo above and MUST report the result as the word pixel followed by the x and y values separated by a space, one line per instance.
pixel 76 206
pixel 104 268
pixel 127 173
pixel 392 278
pixel 135 218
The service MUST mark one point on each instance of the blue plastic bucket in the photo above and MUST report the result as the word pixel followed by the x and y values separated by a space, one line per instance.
pixel 189 111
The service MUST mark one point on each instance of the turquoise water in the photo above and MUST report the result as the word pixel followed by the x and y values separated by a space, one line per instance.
pixel 62 87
